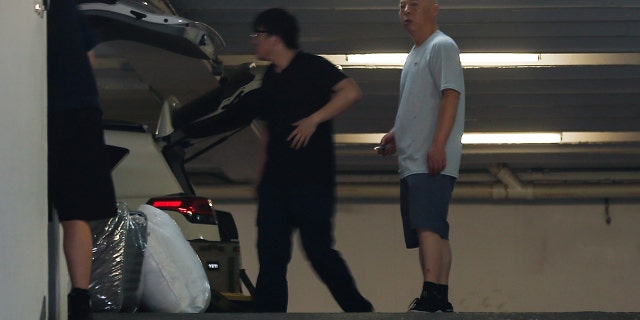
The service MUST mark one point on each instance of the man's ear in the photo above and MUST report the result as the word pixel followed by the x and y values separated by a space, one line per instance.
pixel 277 39
pixel 435 9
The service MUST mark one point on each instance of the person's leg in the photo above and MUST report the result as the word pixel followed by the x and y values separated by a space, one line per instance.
pixel 443 284
pixel 424 206
pixel 445 256
pixel 430 252
pixel 447 259
pixel 274 253
pixel 314 216
pixel 77 245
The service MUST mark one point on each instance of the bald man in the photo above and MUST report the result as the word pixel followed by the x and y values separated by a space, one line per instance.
pixel 426 136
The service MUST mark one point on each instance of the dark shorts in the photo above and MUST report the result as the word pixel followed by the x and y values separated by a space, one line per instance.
pixel 424 204
pixel 80 184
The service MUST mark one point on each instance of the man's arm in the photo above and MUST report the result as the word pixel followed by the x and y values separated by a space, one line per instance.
pixel 436 156
pixel 346 93
pixel 262 152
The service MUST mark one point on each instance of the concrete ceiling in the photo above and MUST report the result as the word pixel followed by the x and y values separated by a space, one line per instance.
pixel 587 95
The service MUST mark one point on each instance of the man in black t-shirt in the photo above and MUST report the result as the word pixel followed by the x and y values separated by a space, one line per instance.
pixel 301 94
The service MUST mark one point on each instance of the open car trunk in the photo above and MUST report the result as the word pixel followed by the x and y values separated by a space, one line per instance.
pixel 227 108
pixel 142 22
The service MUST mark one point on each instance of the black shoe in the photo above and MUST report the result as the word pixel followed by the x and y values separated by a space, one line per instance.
pixel 446 307
pixel 370 308
pixel 87 316
pixel 425 305
pixel 366 306
pixel 79 305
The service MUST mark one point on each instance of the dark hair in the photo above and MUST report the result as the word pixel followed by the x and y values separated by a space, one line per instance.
pixel 279 22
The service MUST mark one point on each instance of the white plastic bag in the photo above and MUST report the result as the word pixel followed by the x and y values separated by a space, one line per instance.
pixel 173 277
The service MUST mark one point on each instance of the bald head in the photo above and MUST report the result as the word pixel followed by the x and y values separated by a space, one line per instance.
pixel 419 18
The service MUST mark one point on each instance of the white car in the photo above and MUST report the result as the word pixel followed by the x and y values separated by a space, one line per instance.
pixel 144 173
pixel 151 164
pixel 148 167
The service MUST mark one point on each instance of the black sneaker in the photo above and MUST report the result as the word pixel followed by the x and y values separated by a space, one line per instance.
pixel 366 306
pixel 446 307
pixel 425 305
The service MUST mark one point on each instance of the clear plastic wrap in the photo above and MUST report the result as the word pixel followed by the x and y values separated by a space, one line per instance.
pixel 118 253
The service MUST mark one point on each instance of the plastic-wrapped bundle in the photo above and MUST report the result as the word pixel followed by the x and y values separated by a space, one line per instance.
pixel 118 253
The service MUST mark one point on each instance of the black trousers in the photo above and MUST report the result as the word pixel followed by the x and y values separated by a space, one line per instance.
pixel 310 209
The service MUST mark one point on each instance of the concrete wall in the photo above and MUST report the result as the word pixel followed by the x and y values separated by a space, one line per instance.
pixel 23 204
pixel 507 257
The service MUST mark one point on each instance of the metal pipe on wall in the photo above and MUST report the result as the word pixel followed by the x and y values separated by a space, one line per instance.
pixel 462 191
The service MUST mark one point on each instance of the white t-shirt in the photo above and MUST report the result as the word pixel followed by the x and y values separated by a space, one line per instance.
pixel 428 70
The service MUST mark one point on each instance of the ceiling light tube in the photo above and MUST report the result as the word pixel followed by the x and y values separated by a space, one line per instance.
pixel 494 59
pixel 511 138
pixel 391 59
pixel 467 138
pixel 567 137
pixel 466 59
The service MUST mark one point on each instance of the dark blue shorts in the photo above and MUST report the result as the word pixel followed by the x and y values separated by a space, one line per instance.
pixel 80 184
pixel 424 204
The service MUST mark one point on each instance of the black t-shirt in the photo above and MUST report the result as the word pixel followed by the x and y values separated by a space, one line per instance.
pixel 70 79
pixel 302 88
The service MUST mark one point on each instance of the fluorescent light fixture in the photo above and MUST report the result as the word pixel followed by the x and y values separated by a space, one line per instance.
pixel 387 59
pixel 567 137
pixel 358 138
pixel 498 59
pixel 467 138
pixel 467 59
pixel 511 138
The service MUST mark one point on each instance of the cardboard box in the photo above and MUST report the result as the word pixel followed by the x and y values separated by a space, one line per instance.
pixel 221 263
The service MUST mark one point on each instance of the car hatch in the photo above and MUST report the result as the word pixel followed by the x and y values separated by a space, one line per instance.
pixel 143 22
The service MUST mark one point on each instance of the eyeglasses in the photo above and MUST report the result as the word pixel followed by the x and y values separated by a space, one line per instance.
pixel 257 33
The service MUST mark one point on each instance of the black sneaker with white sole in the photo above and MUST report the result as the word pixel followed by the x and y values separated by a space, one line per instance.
pixel 424 304
pixel 446 307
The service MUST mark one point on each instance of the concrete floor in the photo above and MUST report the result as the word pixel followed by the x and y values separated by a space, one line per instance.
pixel 376 316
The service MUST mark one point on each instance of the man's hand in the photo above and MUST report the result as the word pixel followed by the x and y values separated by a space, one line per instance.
pixel 302 133
pixel 345 94
pixel 389 143
pixel 436 160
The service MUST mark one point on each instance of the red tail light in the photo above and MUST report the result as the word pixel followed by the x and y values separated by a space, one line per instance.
pixel 195 209
pixel 167 204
